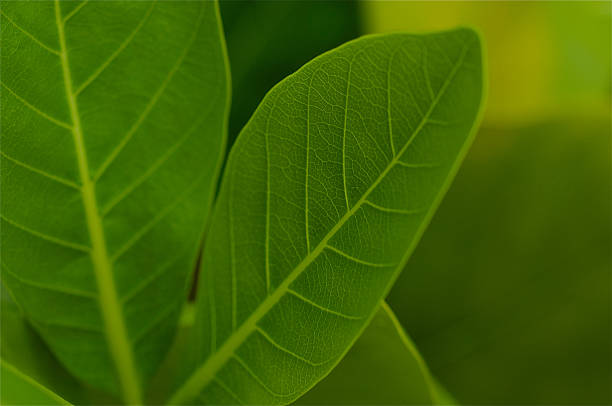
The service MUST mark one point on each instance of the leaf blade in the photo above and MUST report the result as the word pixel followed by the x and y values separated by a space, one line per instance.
pixel 24 351
pixel 99 144
pixel 112 316
pixel 270 196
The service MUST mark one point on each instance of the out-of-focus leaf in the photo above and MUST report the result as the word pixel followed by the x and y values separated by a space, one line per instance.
pixel 340 169
pixel 113 121
pixel 174 367
pixel 30 364
pixel 20 389
pixel 268 40
pixel 30 373
pixel 444 397
pixel 382 368
pixel 508 294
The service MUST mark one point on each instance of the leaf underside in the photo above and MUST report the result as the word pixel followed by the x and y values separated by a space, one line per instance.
pixel 104 118
pixel 325 195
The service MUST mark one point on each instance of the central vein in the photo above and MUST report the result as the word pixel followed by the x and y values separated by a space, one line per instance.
pixel 116 332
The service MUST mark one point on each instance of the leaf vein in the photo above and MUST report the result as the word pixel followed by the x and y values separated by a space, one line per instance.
pixel 417 165
pixel 36 109
pixel 117 52
pixel 321 307
pixel 47 237
pixel 358 260
pixel 115 331
pixel 48 175
pixel 258 379
pixel 228 391
pixel 58 289
pixel 346 99
pixel 75 10
pixel 149 107
pixel 426 74
pixel 392 210
pixel 288 351
pixel 390 125
pixel 268 192
pixel 153 168
pixel 29 35
pixel 156 219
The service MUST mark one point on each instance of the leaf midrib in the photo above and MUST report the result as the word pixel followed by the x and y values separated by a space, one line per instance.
pixel 203 375
pixel 116 332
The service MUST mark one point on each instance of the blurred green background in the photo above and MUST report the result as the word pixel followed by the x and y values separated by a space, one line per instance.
pixel 508 294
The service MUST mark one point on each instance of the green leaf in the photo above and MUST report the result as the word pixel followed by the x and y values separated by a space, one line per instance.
pixel 20 389
pixel 325 195
pixel 382 368
pixel 173 367
pixel 104 118
pixel 26 355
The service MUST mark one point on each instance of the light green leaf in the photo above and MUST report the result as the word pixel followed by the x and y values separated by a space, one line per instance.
pixel 325 195
pixel 382 368
pixel 20 389
pixel 104 118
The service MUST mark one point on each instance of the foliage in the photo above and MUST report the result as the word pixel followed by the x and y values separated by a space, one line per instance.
pixel 351 151
pixel 114 119
pixel 109 160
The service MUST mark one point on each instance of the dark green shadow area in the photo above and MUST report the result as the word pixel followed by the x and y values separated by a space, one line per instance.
pixel 269 40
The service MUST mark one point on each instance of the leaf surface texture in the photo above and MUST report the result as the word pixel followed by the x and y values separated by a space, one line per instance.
pixel 325 195
pixel 107 108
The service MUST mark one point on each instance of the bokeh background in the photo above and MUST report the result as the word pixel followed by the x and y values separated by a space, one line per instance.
pixel 508 294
